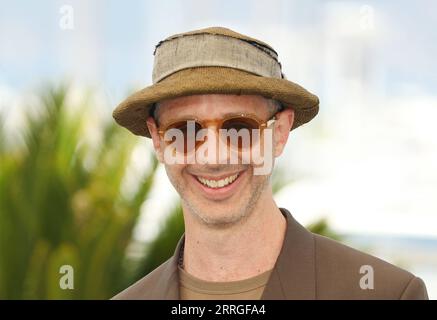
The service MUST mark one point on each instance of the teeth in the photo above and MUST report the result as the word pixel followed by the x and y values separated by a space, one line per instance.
pixel 218 183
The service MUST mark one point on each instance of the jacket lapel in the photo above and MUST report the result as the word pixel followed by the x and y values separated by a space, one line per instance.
pixel 293 276
pixel 167 287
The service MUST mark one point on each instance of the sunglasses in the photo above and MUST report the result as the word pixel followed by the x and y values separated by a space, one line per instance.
pixel 235 130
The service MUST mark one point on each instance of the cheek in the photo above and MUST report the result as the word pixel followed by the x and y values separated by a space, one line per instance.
pixel 175 172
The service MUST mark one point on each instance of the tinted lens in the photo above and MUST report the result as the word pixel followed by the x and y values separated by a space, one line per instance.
pixel 240 123
pixel 188 129
pixel 239 132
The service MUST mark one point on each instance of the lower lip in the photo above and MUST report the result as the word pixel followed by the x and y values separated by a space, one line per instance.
pixel 223 192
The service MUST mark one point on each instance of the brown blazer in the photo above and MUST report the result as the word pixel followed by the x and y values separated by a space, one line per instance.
pixel 309 266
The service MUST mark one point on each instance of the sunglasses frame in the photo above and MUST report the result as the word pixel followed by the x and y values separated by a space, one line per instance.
pixel 218 123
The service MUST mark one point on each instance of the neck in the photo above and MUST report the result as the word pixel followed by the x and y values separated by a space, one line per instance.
pixel 240 251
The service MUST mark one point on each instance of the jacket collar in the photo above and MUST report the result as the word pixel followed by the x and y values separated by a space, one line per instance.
pixel 293 275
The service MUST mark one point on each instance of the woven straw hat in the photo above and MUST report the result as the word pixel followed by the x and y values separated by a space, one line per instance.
pixel 214 60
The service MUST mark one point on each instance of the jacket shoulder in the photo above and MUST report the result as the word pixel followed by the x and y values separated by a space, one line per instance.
pixel 346 273
pixel 145 288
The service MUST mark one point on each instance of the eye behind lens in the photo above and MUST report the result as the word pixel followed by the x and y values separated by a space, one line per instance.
pixel 240 123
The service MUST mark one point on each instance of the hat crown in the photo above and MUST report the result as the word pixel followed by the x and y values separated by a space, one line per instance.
pixel 224 32
pixel 214 47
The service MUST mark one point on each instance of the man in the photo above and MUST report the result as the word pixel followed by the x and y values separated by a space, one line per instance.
pixel 209 87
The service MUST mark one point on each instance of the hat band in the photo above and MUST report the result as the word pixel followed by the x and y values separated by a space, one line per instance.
pixel 210 50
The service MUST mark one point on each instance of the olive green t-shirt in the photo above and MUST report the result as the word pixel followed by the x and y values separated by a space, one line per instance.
pixel 192 288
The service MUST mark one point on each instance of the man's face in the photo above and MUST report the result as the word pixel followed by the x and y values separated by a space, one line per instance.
pixel 218 194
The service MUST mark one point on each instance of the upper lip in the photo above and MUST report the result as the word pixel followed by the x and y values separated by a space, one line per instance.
pixel 213 177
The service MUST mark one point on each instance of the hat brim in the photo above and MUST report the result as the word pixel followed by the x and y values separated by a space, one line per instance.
pixel 134 110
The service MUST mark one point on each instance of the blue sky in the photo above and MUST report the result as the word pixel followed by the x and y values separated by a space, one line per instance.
pixel 112 42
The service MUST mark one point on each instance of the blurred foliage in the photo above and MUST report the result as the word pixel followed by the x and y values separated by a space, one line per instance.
pixel 162 247
pixel 61 203
pixel 322 227
pixel 56 208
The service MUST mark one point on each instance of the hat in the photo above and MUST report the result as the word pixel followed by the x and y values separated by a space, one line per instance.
pixel 214 60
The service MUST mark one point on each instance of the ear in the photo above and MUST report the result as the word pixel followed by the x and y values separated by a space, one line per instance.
pixel 284 122
pixel 156 139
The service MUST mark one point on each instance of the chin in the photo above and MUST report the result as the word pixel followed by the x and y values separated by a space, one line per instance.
pixel 219 215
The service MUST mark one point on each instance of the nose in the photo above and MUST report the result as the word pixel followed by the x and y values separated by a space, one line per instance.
pixel 217 150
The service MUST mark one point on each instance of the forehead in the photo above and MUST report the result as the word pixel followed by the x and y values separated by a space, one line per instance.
pixel 209 106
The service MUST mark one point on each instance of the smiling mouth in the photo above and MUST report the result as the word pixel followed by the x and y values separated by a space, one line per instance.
pixel 218 183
